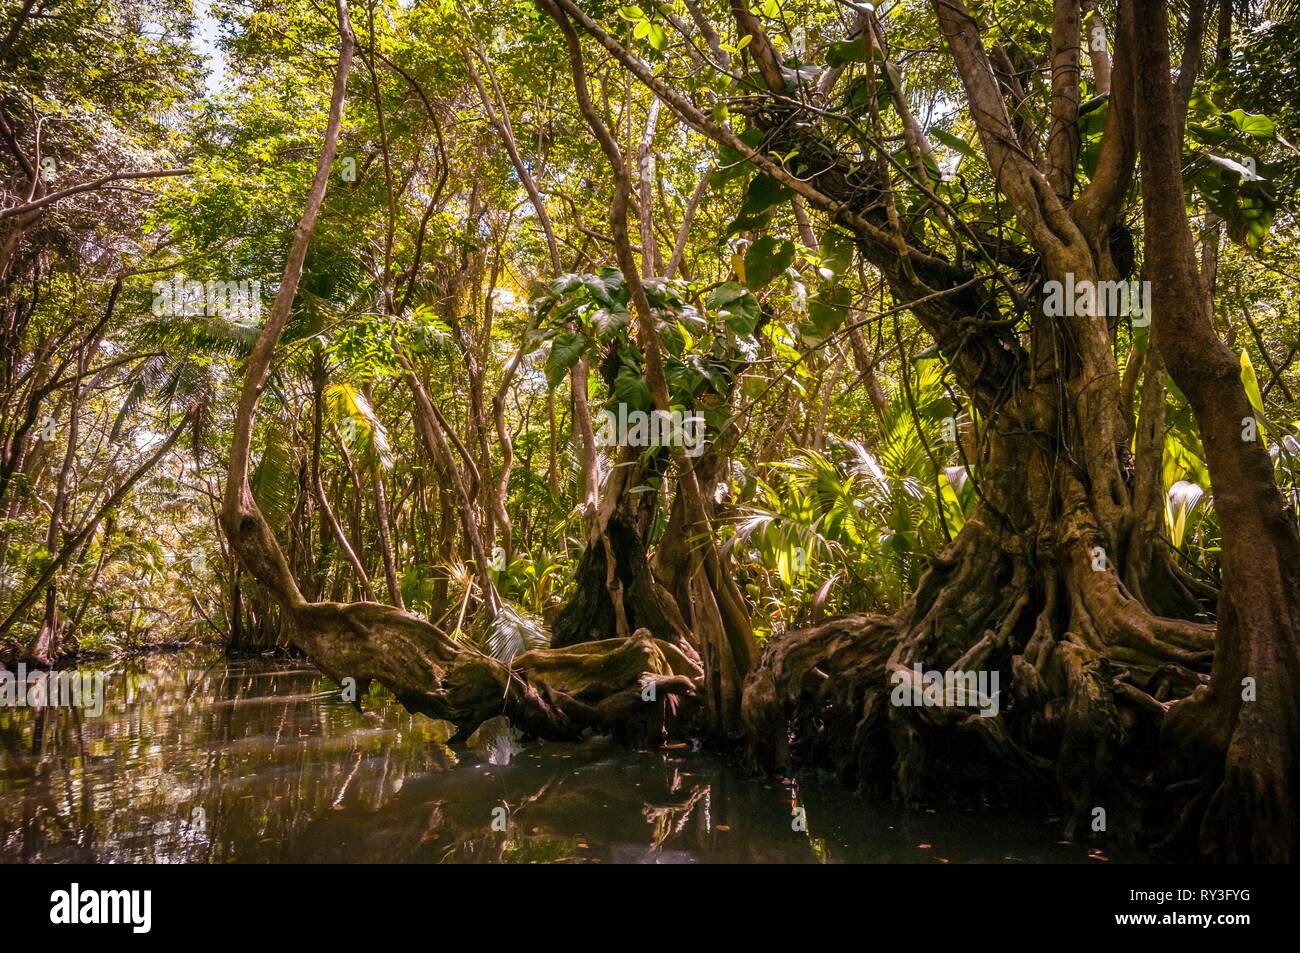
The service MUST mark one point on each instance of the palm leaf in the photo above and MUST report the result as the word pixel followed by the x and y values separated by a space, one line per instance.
pixel 514 632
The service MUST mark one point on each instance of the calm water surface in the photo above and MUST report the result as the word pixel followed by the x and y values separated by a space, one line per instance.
pixel 198 759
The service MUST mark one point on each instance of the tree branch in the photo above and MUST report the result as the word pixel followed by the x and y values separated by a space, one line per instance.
pixel 34 206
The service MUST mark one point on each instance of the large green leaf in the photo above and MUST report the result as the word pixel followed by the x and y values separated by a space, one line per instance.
pixel 767 258
pixel 848 51
pixel 566 349
pixel 1261 127
pixel 731 162
pixel 274 480
pixel 631 389
pixel 733 302
pixel 357 422
pixel 763 193
pixel 837 251
pixel 954 142
pixel 828 309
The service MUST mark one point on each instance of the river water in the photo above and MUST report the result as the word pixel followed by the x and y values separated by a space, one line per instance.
pixel 198 759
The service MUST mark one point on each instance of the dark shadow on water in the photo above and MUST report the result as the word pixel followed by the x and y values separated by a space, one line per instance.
pixel 203 760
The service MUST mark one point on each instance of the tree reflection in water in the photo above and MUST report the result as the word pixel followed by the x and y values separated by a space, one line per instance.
pixel 201 759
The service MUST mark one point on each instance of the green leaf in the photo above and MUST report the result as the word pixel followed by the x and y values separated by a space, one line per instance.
pixel 358 424
pixel 733 302
pixel 1201 106
pixel 736 306
pixel 732 163
pixel 609 323
pixel 955 143
pixel 608 288
pixel 767 258
pixel 848 51
pixel 1261 127
pixel 837 249
pixel 1250 382
pixel 828 309
pixel 274 480
pixel 1252 218
pixel 630 388
pixel 763 192
pixel 566 349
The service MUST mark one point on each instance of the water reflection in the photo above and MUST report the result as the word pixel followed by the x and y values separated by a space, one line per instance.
pixel 197 759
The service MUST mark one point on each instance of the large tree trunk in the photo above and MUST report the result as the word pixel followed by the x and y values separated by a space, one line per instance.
pixel 1026 591
pixel 1241 733
pixel 1031 588
pixel 615 590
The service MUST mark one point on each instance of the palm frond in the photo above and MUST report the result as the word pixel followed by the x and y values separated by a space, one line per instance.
pixel 514 632
pixel 274 480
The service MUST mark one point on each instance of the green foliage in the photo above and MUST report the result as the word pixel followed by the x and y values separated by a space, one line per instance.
pixel 1231 171
pixel 274 479
pixel 358 426
pixel 767 258
pixel 864 520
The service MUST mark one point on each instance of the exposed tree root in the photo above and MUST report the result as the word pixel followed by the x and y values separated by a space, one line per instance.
pixel 641 688
pixel 592 614
pixel 1086 677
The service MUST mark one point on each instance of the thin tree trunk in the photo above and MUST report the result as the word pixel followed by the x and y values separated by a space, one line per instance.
pixel 47 639
pixel 383 518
